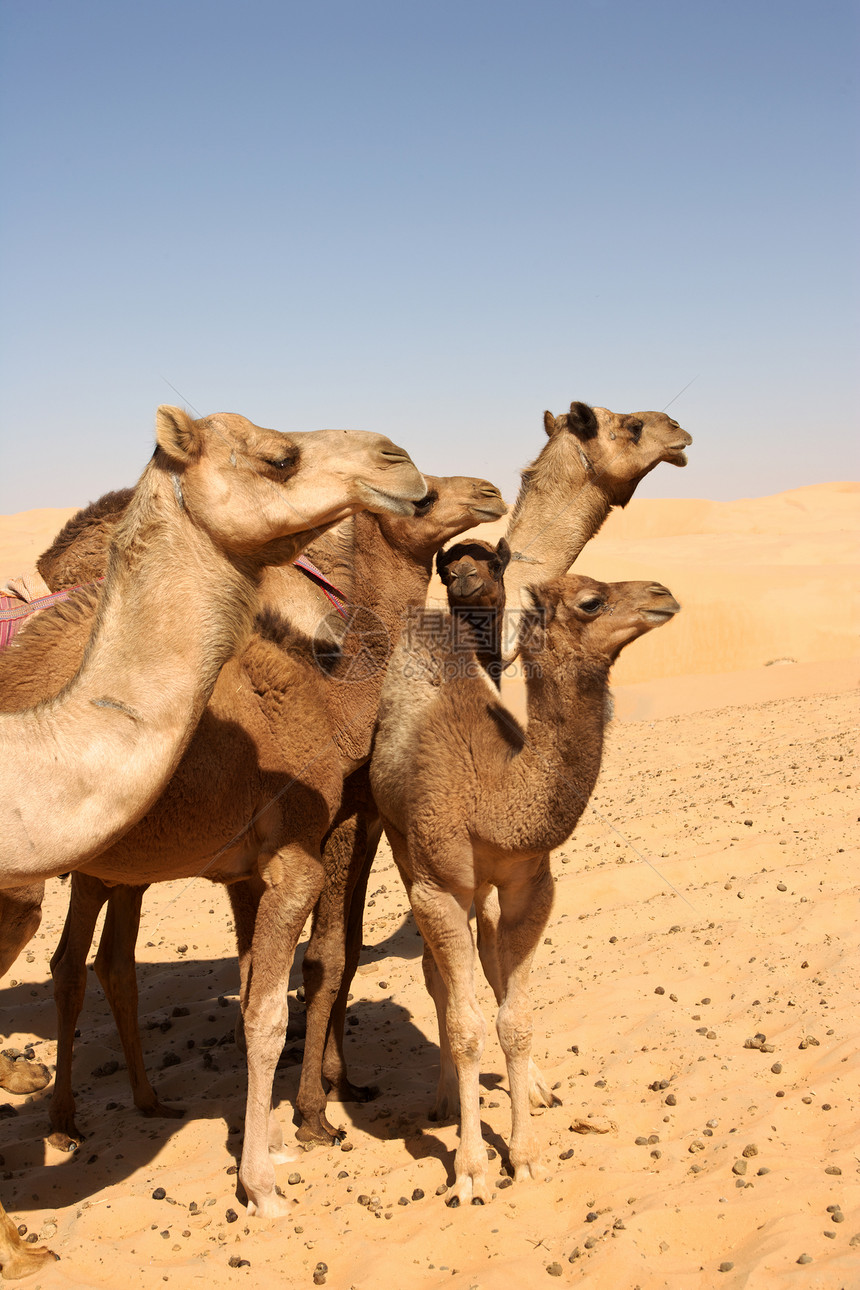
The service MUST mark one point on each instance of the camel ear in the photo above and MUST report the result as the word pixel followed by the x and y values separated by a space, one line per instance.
pixel 176 434
pixel 442 562
pixel 582 422
pixel 503 556
pixel 549 424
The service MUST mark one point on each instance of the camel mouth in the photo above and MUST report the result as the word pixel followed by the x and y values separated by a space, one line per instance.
pixel 467 588
pixel 490 512
pixel 675 455
pixel 377 499
pixel 659 616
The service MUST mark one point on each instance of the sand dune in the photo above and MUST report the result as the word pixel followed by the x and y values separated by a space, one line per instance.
pixel 710 894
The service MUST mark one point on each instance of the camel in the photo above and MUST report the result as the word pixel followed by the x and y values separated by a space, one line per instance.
pixel 593 460
pixel 473 575
pixel 220 499
pixel 482 811
pixel 272 707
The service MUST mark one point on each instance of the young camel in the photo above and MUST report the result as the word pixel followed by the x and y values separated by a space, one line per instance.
pixel 484 809
pixel 473 574
pixel 272 707
pixel 220 499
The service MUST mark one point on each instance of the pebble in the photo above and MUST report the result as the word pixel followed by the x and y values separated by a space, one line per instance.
pixel 159 1193
pixel 236 1262
pixel 805 1258
pixel 776 1068
pixel 659 990
pixel 294 1179
pixel 574 1254
pixel 764 1170
pixel 554 1269
pixel 780 886
pixel 696 1145
pixel 739 1168
pixel 418 1194
pixel 591 1217
pixel 671 1100
pixel 837 1217
pixel 231 1216
pixel 834 1170
pixel 750 1150
pixel 441 1189
pixel 725 1267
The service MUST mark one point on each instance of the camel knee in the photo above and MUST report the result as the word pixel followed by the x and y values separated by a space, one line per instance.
pixel 466 1036
pixel 515 1028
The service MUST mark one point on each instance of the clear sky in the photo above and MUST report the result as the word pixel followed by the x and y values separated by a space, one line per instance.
pixel 433 220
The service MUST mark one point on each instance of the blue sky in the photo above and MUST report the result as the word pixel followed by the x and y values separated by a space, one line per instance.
pixel 432 220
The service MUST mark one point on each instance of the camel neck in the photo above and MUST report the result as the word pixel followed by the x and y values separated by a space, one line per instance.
pixel 560 755
pixel 548 531
pixel 173 609
pixel 385 583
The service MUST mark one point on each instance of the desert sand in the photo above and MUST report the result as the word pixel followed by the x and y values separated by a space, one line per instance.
pixel 709 898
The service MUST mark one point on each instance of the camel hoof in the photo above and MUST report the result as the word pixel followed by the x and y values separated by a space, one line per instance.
pixel 26 1261
pixel 477 1200
pixel 309 1138
pixel 25 1077
pixel 158 1109
pixel 269 1206
pixel 64 1141
pixel 453 1202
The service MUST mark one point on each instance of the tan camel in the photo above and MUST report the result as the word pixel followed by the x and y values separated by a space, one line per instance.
pixel 594 460
pixel 272 708
pixel 484 811
pixel 220 499
pixel 473 574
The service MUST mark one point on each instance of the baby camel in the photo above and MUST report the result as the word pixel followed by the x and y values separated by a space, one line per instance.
pixel 473 574
pixel 482 807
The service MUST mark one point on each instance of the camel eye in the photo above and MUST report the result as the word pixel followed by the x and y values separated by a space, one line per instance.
pixel 592 606
pixel 635 428
pixel 424 505
pixel 281 463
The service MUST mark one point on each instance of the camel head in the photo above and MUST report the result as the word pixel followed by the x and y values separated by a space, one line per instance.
pixel 473 573
pixel 591 621
pixel 247 486
pixel 616 449
pixel 453 503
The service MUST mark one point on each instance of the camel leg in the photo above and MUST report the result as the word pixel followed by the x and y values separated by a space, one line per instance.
pixel 20 916
pixel 443 918
pixel 334 1061
pixel 488 915
pixel 448 1087
pixel 116 970
pixel 18 1258
pixel 328 969
pixel 294 878
pixel 244 901
pixel 69 970
pixel 524 908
